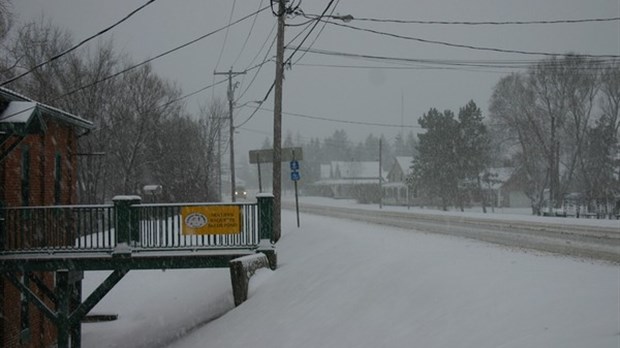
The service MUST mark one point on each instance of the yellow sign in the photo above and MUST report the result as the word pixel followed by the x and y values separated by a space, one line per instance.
pixel 223 219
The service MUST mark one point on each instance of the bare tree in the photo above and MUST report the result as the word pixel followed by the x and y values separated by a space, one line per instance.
pixel 184 157
pixel 142 102
pixel 36 42
pixel 599 167
pixel 610 95
pixel 213 120
pixel 511 106
pixel 6 21
pixel 96 104
pixel 551 112
pixel 564 93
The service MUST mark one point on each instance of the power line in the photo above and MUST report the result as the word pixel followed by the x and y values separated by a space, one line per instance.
pixel 320 118
pixel 288 60
pixel 256 56
pixel 247 38
pixel 259 104
pixel 232 11
pixel 342 66
pixel 158 56
pixel 273 28
pixel 450 44
pixel 319 34
pixel 265 60
pixel 193 93
pixel 203 89
pixel 307 35
pixel 403 21
pixel 174 100
pixel 78 45
pixel 155 107
pixel 502 64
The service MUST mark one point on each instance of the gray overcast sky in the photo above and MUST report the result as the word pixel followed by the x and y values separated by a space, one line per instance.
pixel 370 94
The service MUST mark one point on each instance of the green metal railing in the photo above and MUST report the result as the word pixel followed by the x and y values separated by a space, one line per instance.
pixel 81 228
pixel 32 229
pixel 160 228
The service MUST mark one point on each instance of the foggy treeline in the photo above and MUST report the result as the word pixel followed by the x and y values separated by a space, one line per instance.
pixel 144 134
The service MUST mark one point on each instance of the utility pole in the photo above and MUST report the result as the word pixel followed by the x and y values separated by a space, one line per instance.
pixel 277 123
pixel 219 159
pixel 380 175
pixel 231 99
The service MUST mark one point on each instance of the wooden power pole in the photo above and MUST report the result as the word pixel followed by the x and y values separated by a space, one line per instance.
pixel 277 123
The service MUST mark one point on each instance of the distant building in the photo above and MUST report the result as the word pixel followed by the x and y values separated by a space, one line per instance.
pixel 38 166
pixel 505 188
pixel 341 179
pixel 396 191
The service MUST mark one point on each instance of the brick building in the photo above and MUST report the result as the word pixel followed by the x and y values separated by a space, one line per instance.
pixel 38 167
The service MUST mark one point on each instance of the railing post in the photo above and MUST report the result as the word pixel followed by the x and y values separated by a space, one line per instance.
pixel 265 227
pixel 127 222
pixel 265 216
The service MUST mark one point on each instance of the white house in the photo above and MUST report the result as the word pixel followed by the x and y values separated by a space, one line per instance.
pixel 341 179
pixel 396 191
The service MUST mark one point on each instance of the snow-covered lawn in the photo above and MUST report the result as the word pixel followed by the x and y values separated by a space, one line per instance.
pixel 347 284
pixel 504 214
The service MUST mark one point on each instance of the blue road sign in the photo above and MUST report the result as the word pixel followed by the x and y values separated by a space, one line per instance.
pixel 295 176
pixel 294 165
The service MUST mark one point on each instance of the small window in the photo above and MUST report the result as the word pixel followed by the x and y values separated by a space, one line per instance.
pixel 57 179
pixel 26 176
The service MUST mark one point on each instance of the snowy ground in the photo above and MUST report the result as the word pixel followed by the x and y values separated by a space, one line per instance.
pixel 346 284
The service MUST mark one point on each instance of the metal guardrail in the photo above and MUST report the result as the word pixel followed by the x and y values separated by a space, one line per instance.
pixel 83 228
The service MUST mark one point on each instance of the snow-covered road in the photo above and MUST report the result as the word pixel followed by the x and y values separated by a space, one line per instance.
pixel 599 240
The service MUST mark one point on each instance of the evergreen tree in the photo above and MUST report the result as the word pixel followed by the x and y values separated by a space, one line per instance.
pixel 436 167
pixel 337 147
pixel 473 150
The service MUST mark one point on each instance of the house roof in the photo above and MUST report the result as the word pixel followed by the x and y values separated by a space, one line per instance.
pixel 20 117
pixel 18 112
pixel 405 163
pixel 499 176
pixel 351 170
pixel 356 170
pixel 21 110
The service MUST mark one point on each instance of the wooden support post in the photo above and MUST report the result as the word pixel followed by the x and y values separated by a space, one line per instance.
pixel 76 328
pixel 62 310
pixel 265 216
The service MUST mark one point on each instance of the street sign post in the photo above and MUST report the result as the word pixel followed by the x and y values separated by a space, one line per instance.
pixel 266 155
pixel 289 154
pixel 294 165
